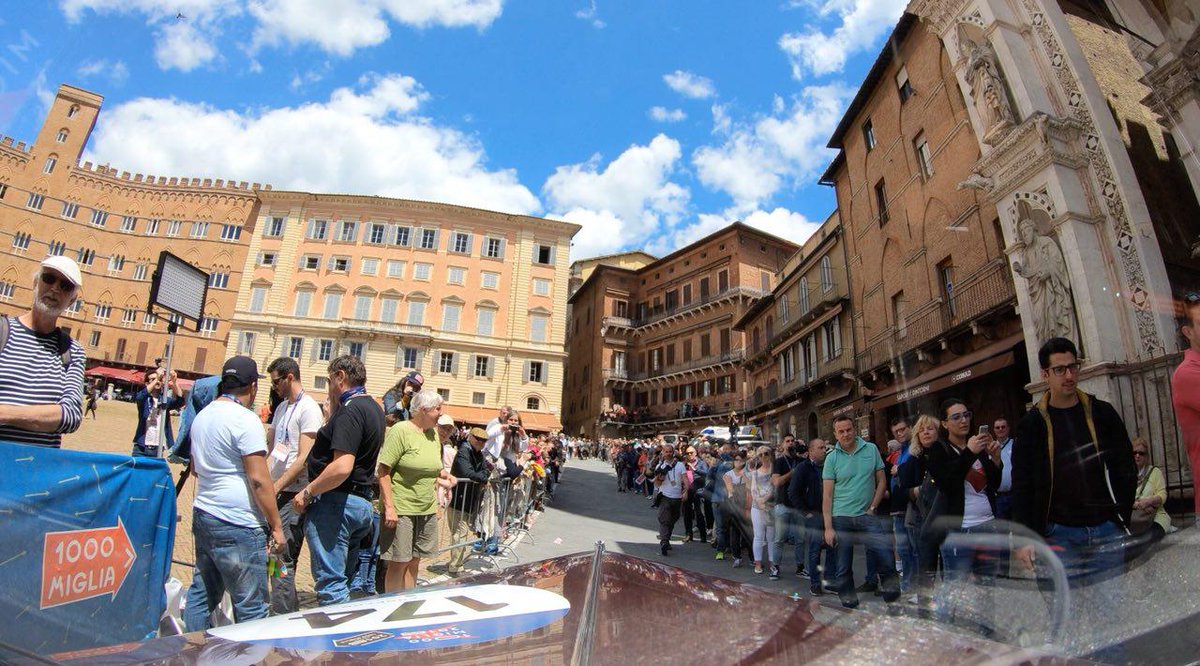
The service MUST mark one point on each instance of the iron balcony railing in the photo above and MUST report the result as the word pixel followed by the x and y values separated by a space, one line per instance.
pixel 731 356
pixel 663 313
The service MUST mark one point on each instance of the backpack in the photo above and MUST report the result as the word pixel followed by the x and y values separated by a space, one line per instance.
pixel 63 342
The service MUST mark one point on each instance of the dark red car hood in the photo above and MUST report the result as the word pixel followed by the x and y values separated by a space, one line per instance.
pixel 635 611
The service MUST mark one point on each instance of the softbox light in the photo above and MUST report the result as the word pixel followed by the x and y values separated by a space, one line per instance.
pixel 179 288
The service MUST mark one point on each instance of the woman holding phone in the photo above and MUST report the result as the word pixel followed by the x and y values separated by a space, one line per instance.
pixel 965 466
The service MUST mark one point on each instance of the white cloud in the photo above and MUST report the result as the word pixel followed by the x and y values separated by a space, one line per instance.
pixel 366 140
pixel 781 222
pixel 344 27
pixel 758 158
pixel 115 72
pixel 187 31
pixel 182 46
pixel 690 85
pixel 863 22
pixel 665 115
pixel 589 15
pixel 623 203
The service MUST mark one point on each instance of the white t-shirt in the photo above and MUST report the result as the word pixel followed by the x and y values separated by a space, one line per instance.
pixel 291 421
pixel 495 441
pixel 672 485
pixel 976 508
pixel 222 433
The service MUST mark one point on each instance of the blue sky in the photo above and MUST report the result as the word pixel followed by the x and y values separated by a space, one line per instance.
pixel 649 122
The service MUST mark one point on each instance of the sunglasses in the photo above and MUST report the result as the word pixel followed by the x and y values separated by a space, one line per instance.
pixel 1140 453
pixel 50 280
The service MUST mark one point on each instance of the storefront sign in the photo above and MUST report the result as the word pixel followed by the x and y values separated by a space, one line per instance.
pixel 959 376
pixel 912 393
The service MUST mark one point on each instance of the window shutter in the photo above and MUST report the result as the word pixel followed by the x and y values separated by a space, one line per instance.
pixel 420 356
pixel 553 254
pixel 399 357
pixel 525 373
pixel 491 367
pixel 454 363
pixel 503 245
pixel 437 238
pixel 545 372
pixel 473 360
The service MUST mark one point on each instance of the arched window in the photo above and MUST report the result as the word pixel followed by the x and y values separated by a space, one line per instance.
pixel 533 403
pixel 803 289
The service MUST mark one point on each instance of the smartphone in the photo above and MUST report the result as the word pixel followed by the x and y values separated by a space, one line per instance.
pixel 983 430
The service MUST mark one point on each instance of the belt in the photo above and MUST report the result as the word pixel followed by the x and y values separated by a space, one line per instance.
pixel 364 491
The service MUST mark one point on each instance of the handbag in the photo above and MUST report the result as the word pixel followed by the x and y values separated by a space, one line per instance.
pixel 1141 519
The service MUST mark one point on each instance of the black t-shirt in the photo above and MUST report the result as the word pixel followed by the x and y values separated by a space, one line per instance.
pixel 1080 496
pixel 781 466
pixel 356 428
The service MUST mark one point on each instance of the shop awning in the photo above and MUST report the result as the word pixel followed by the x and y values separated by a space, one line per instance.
pixel 479 416
pixel 978 363
pixel 119 374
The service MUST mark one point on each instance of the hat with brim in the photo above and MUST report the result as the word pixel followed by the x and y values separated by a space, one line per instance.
pixel 239 371
pixel 66 267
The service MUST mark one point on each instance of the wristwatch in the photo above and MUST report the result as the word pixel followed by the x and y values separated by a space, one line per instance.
pixel 308 497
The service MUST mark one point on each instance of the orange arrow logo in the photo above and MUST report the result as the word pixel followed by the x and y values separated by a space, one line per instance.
pixel 82 564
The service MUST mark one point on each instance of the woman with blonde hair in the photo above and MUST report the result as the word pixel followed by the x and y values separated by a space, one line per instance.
pixel 912 476
pixel 1149 522
pixel 762 512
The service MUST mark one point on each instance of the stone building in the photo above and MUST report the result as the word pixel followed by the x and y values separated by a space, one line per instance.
pixel 658 341
pixel 115 224
pixel 472 299
pixel 800 351
pixel 934 308
pixel 1086 118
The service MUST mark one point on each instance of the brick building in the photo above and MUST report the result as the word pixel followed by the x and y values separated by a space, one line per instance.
pixel 933 299
pixel 115 224
pixel 655 338
pixel 473 299
pixel 800 351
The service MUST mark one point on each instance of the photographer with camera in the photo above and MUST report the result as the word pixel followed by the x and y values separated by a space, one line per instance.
pixel 670 477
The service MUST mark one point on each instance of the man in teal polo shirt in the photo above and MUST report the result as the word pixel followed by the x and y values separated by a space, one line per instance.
pixel 854 482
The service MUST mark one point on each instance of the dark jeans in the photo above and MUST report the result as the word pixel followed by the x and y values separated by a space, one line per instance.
pixel 871 532
pixel 693 516
pixel 814 527
pixel 788 529
pixel 736 538
pixel 1004 506
pixel 283 588
pixel 720 527
pixel 668 515
pixel 961 558
pixel 229 558
pixel 906 548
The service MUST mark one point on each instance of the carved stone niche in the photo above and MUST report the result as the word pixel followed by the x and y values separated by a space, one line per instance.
pixel 1176 83
pixel 1037 143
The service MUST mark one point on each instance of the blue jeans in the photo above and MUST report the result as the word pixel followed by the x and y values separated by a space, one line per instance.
pixel 721 537
pixel 906 548
pixel 814 527
pixel 368 561
pixel 337 523
pixel 1089 554
pixel 871 532
pixel 962 558
pixel 229 558
pixel 789 529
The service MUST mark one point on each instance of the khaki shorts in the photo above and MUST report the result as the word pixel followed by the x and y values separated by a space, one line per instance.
pixel 414 536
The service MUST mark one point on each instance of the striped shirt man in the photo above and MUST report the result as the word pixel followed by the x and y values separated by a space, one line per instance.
pixel 32 372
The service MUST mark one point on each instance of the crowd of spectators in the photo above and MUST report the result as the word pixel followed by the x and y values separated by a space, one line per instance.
pixel 926 507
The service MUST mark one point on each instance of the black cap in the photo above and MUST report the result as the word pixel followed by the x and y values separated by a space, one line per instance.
pixel 239 371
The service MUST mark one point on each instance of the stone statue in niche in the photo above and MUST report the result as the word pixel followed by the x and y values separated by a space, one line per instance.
pixel 987 89
pixel 1045 271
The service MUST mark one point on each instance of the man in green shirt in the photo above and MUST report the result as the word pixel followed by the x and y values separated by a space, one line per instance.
pixel 410 469
pixel 854 482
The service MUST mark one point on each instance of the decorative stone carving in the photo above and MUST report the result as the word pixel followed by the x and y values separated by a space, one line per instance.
pixel 1030 147
pixel 987 87
pixel 1175 83
pixel 1049 285
pixel 977 182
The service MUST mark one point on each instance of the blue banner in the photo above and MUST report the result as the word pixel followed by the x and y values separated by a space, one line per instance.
pixel 85 547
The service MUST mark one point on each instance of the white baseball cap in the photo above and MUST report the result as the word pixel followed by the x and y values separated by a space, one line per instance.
pixel 445 420
pixel 67 267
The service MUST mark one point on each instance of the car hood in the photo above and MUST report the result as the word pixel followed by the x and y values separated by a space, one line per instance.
pixel 566 610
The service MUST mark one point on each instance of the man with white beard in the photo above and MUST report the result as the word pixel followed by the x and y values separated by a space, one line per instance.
pixel 41 367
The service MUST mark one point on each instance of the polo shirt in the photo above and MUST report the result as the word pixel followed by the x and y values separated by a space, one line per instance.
pixel 414 457
pixel 853 475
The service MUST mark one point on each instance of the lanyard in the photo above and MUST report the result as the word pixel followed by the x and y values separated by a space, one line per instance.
pixel 230 396
pixel 288 414
pixel 347 395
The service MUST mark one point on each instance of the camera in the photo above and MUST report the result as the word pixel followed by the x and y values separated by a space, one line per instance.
pixel 513 428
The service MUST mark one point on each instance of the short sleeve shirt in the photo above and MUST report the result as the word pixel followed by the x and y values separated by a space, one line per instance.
pixel 415 458
pixel 853 475
pixel 355 428
pixel 290 422
pixel 221 435
pixel 781 466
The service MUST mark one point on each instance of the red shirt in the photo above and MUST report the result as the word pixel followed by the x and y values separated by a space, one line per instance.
pixel 1185 394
